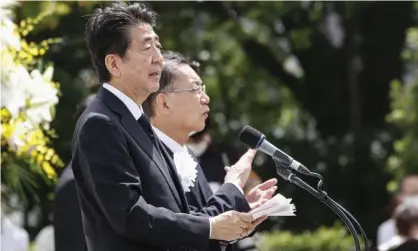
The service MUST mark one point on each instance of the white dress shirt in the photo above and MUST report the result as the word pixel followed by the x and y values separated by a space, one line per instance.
pixel 386 231
pixel 169 142
pixel 135 109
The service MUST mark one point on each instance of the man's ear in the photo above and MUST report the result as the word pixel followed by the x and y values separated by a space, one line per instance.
pixel 113 63
pixel 162 104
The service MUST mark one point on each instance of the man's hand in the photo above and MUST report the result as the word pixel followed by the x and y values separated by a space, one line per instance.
pixel 239 172
pixel 254 224
pixel 261 193
pixel 230 225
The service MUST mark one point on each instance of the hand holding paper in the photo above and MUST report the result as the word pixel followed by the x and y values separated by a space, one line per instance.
pixel 276 206
pixel 261 193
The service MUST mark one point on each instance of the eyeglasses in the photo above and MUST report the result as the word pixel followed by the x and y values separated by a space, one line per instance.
pixel 196 88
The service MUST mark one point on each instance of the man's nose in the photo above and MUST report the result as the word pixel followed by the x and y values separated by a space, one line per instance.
pixel 205 99
pixel 157 57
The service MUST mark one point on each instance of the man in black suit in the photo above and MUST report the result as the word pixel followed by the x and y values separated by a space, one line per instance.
pixel 129 191
pixel 179 108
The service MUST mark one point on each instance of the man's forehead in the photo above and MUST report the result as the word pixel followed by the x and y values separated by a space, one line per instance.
pixel 146 32
pixel 189 73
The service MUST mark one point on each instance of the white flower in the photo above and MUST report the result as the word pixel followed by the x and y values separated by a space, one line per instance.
pixel 32 93
pixel 13 84
pixel 42 96
pixel 8 36
pixel 44 241
pixel 13 237
pixel 16 140
pixel 186 169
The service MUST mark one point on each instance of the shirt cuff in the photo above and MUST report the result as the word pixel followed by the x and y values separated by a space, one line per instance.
pixel 239 188
pixel 210 227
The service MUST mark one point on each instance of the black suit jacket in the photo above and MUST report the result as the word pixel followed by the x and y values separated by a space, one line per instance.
pixel 203 201
pixel 68 226
pixel 129 194
pixel 409 245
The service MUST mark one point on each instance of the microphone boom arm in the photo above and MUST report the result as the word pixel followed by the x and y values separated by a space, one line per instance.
pixel 348 214
pixel 287 175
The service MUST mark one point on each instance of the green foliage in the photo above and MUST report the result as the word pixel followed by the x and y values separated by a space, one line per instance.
pixel 322 239
pixel 404 115
pixel 325 113
pixel 328 116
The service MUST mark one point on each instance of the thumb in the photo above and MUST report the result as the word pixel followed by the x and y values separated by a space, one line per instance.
pixel 246 217
pixel 249 155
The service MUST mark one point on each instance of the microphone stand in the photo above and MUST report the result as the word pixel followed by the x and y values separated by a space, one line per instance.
pixel 322 196
pixel 356 223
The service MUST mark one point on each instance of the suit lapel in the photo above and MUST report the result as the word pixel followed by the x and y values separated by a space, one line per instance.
pixel 204 188
pixel 173 169
pixel 141 138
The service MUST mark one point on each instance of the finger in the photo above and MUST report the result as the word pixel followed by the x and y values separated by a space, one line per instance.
pixel 249 155
pixel 259 220
pixel 241 235
pixel 244 233
pixel 270 193
pixel 227 168
pixel 260 203
pixel 248 225
pixel 267 184
pixel 244 224
pixel 245 217
pixel 264 197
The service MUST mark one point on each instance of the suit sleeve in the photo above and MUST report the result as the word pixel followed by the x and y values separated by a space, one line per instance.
pixel 114 183
pixel 227 198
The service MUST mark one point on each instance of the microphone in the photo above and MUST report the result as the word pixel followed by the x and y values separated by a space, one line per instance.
pixel 254 139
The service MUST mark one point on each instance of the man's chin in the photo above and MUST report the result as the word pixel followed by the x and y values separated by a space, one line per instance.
pixel 154 87
pixel 199 127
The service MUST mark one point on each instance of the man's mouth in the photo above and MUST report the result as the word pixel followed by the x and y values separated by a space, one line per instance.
pixel 155 73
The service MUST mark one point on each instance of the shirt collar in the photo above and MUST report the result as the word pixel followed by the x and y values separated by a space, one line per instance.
pixel 169 142
pixel 135 109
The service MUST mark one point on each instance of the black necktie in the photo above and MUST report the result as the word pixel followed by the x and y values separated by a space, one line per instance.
pixel 146 125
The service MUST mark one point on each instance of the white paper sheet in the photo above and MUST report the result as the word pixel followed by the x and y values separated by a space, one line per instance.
pixel 276 206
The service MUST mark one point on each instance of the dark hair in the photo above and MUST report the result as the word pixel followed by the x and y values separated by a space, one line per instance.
pixel 406 216
pixel 107 31
pixel 172 60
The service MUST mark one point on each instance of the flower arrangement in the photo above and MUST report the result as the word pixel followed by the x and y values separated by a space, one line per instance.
pixel 28 99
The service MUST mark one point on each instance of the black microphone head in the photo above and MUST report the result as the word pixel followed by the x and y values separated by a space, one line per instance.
pixel 251 137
